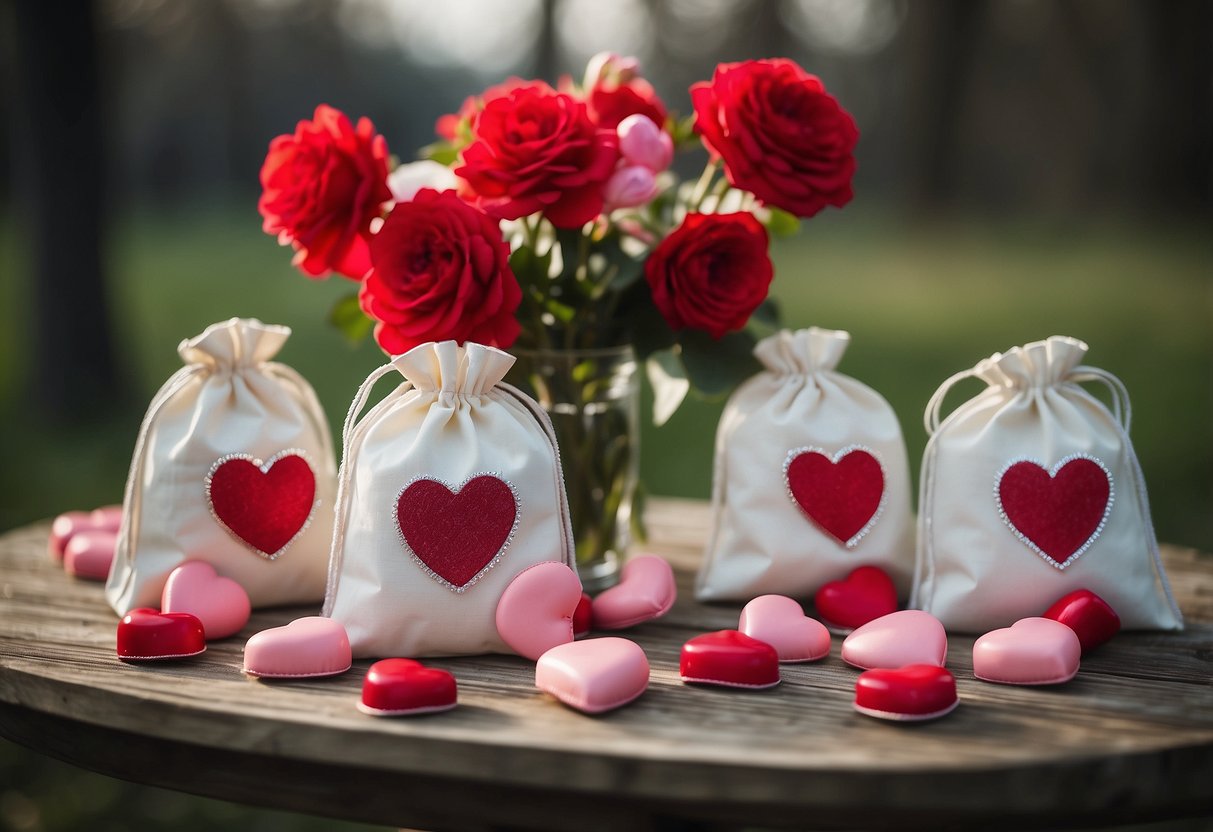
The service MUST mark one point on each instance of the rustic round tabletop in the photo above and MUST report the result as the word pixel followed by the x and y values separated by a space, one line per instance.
pixel 1130 738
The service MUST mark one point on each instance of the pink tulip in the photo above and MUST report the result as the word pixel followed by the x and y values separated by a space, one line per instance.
pixel 644 143
pixel 629 186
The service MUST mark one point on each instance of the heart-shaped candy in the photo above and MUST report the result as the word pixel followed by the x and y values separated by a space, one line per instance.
pixel 1057 513
pixel 305 648
pixel 403 687
pixel 896 640
pixel 731 659
pixel 1090 617
pixel 582 616
pixel 457 534
pixel 907 694
pixel 1032 651
pixel 595 675
pixel 780 622
pixel 864 595
pixel 645 591
pixel 842 494
pixel 104 519
pixel 264 505
pixel 535 613
pixel 108 518
pixel 89 553
pixel 220 603
pixel 147 635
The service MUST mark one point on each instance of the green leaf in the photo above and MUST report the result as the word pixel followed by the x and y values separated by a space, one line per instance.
pixel 670 385
pixel 716 367
pixel 530 268
pixel 349 319
pixel 650 332
pixel 767 314
pixel 780 223
pixel 622 269
pixel 683 131
pixel 444 153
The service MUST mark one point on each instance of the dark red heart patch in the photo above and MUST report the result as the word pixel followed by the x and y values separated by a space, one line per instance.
pixel 842 495
pixel 457 534
pixel 1059 513
pixel 265 505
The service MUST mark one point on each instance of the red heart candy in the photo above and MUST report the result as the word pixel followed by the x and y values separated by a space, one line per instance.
pixel 582 616
pixel 912 693
pixel 147 635
pixel 265 505
pixel 731 659
pixel 457 535
pixel 1090 617
pixel 864 595
pixel 841 494
pixel 399 687
pixel 1058 513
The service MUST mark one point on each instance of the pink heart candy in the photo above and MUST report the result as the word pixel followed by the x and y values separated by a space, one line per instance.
pixel 105 519
pixel 89 553
pixel 780 622
pixel 595 675
pixel 535 613
pixel 305 648
pixel 896 640
pixel 219 603
pixel 645 591
pixel 1032 651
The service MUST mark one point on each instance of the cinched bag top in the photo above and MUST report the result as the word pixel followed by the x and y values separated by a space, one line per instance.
pixel 1032 366
pixel 236 342
pixel 446 368
pixel 803 351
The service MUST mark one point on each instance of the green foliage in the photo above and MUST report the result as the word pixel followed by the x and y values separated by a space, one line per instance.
pixel 715 367
pixel 780 223
pixel 349 319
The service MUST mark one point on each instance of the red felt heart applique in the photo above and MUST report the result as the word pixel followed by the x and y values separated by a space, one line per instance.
pixel 265 505
pixel 1057 514
pixel 457 534
pixel 842 494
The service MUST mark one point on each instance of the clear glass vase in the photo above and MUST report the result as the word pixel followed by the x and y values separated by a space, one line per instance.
pixel 593 398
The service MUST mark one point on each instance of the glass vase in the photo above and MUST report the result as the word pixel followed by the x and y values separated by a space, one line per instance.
pixel 593 399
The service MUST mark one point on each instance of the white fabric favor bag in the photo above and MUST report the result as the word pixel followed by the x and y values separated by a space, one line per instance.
pixel 1031 490
pixel 811 477
pixel 234 466
pixel 449 488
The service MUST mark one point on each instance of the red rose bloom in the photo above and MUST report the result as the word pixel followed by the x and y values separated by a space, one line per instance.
pixel 453 126
pixel 711 273
pixel 441 272
pixel 610 102
pixel 535 149
pixel 320 190
pixel 780 134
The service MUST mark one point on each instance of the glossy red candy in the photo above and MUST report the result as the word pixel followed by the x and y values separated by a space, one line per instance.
pixel 400 687
pixel 864 595
pixel 147 635
pixel 729 658
pixel 1090 617
pixel 912 693
pixel 582 616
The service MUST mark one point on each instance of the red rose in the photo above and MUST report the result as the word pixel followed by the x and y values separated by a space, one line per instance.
pixel 320 190
pixel 780 134
pixel 614 90
pixel 711 273
pixel 454 127
pixel 441 272
pixel 535 149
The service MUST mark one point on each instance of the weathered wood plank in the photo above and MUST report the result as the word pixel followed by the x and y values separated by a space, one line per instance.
pixel 1133 733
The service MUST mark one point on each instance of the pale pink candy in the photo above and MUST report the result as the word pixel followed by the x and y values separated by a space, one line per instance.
pixel 108 518
pixel 644 143
pixel 219 603
pixel 628 187
pixel 645 591
pixel 305 648
pixel 62 529
pixel 780 622
pixel 89 554
pixel 896 640
pixel 1032 651
pixel 535 613
pixel 595 675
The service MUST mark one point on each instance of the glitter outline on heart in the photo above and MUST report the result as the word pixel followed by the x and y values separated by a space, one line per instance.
pixel 264 467
pixel 1052 472
pixel 834 460
pixel 455 492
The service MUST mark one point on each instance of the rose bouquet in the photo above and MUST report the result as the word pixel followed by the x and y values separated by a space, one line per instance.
pixel 548 220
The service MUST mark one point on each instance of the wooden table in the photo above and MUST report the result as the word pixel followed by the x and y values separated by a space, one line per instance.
pixel 1130 738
